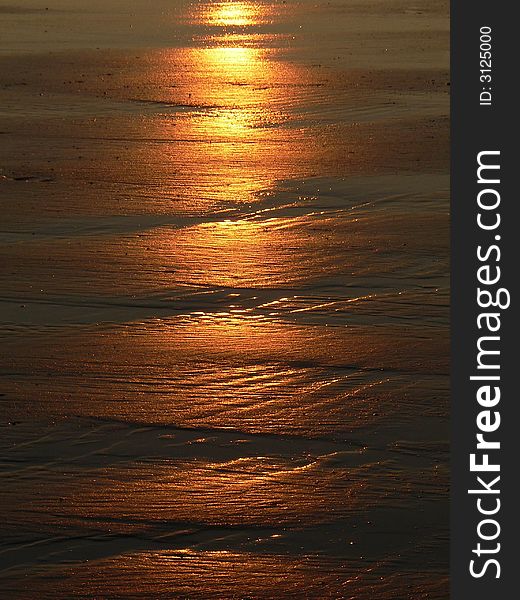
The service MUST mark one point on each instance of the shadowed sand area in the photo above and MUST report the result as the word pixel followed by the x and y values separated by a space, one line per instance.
pixel 224 299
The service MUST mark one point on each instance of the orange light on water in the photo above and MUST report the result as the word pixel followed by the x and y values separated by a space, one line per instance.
pixel 233 144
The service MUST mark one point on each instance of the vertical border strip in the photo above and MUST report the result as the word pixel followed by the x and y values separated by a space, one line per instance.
pixel 484 289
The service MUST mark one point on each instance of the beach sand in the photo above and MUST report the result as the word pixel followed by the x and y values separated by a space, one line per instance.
pixel 224 306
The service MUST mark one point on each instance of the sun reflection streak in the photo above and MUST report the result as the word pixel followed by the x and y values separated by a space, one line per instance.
pixel 233 14
pixel 233 85
pixel 231 119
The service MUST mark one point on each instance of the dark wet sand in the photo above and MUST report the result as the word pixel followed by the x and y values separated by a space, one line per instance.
pixel 224 300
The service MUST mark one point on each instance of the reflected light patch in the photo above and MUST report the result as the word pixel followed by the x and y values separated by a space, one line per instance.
pixel 233 14
pixel 233 86
pixel 233 55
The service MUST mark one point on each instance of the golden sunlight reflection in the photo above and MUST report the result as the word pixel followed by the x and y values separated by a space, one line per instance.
pixel 235 253
pixel 235 74
pixel 239 60
pixel 233 14
pixel 203 573
pixel 234 83
pixel 231 121
pixel 231 492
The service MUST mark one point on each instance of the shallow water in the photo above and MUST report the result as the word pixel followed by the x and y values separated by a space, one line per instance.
pixel 224 299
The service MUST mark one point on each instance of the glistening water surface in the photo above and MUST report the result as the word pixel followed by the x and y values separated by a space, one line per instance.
pixel 224 299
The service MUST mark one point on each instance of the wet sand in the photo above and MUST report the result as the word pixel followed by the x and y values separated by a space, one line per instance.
pixel 224 305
